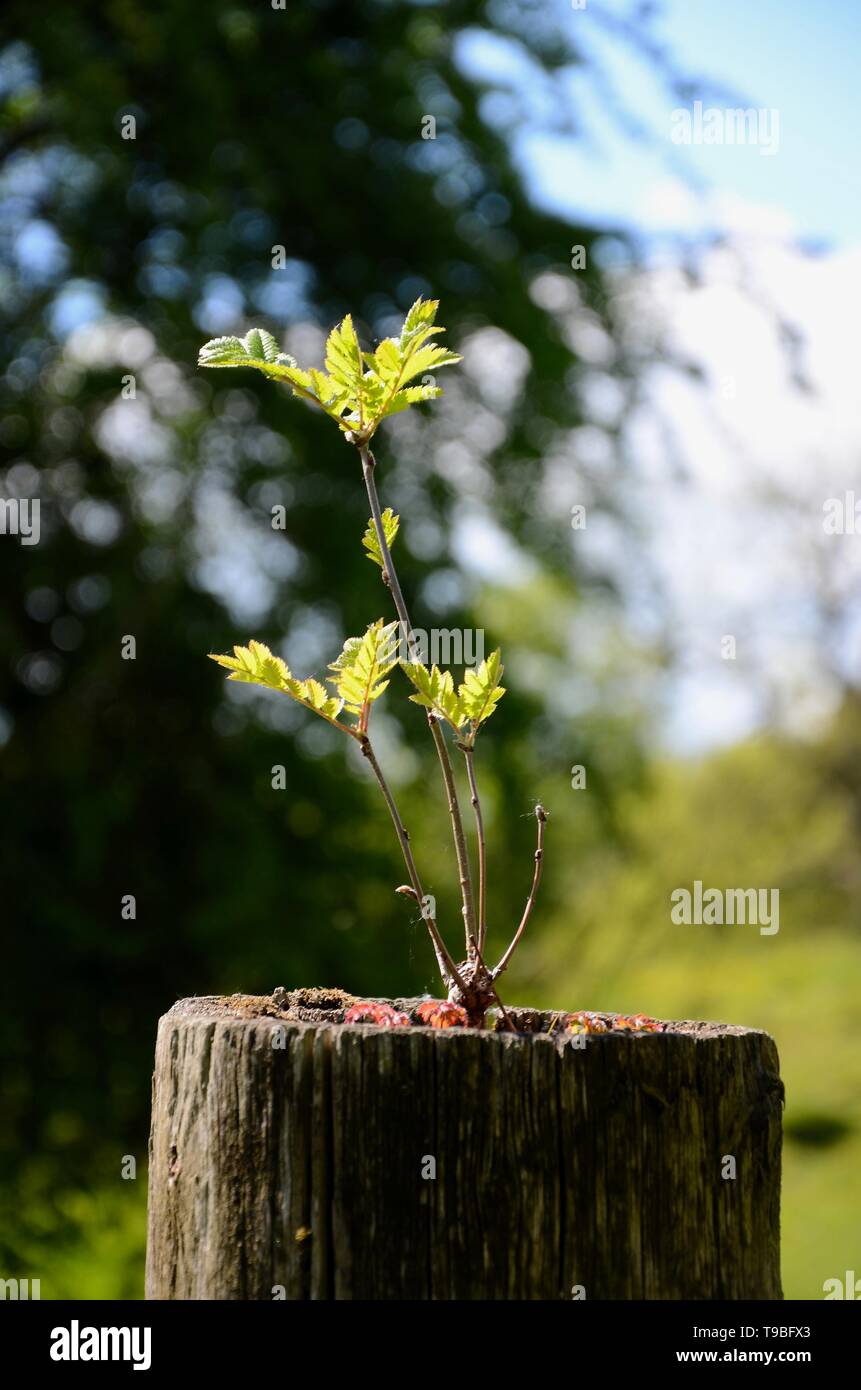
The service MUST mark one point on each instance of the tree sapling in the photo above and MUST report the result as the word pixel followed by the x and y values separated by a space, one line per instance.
pixel 358 390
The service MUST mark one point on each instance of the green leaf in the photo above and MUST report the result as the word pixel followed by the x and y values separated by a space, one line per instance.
pixel 344 359
pixel 435 691
pixel 358 389
pixel 383 390
pixel 257 665
pixel 362 667
pixel 257 348
pixel 410 396
pixel 386 361
pixel 391 522
pixel 426 359
pixel 261 344
pixel 330 395
pixel 317 696
pixel 480 691
pixel 419 322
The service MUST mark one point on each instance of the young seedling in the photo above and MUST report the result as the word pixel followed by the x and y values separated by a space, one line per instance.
pixel 358 390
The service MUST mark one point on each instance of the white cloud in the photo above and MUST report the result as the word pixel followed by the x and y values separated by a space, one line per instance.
pixel 733 472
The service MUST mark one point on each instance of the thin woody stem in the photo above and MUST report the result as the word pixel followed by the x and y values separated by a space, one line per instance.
pixel 447 967
pixel 541 817
pixel 493 989
pixel 468 754
pixel 457 827
pixel 390 577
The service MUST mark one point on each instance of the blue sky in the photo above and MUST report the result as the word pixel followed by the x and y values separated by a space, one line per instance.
pixel 731 559
pixel 799 58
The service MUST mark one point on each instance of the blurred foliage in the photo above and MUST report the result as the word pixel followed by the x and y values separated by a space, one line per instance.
pixel 771 811
pixel 255 128
pixel 301 128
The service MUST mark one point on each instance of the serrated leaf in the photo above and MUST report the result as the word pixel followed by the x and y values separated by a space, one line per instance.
pixel 480 691
pixel 419 319
pixel 257 348
pixel 411 395
pixel 344 357
pixel 261 344
pixel 296 377
pixel 426 359
pixel 435 691
pixel 328 392
pixel 396 362
pixel 386 361
pixel 257 665
pixel 358 389
pixel 391 523
pixel 362 668
pixel 222 352
pixel 314 693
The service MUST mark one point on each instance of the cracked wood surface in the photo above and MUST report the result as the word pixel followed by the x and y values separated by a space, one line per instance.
pixel 287 1153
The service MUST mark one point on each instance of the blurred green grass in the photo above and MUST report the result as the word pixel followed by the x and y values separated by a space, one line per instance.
pixel 80 1243
pixel 768 813
pixel 808 1001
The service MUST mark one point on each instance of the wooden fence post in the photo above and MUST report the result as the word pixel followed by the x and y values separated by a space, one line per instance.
pixel 296 1160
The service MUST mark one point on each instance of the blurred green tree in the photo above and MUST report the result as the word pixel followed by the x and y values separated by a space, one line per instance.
pixel 173 171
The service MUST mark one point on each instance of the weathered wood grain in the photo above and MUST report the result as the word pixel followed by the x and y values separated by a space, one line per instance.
pixel 288 1156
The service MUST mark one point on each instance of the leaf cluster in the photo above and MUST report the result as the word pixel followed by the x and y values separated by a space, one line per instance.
pixel 470 704
pixel 360 676
pixel 357 389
